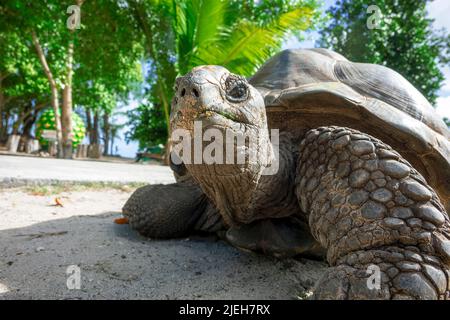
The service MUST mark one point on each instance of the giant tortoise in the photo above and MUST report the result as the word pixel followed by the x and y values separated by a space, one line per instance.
pixel 358 172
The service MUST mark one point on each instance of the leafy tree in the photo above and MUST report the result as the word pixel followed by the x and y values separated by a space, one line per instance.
pixel 148 126
pixel 98 62
pixel 43 24
pixel 403 39
pixel 181 34
pixel 23 88
pixel 109 51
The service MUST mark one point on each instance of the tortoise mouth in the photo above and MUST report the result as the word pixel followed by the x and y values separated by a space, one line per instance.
pixel 211 116
pixel 214 117
pixel 210 112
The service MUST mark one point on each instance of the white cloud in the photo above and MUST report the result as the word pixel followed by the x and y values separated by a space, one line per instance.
pixel 440 11
pixel 445 89
pixel 293 43
pixel 443 106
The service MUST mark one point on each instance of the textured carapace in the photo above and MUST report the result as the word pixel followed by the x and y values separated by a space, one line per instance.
pixel 307 88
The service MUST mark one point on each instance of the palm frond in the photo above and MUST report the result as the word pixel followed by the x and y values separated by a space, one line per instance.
pixel 197 25
pixel 247 45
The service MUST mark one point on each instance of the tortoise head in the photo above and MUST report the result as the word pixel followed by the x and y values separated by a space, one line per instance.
pixel 216 98
pixel 219 131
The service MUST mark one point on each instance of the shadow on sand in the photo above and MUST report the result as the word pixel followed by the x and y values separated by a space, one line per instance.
pixel 117 263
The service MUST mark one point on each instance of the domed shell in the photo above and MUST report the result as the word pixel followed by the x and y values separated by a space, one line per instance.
pixel 309 88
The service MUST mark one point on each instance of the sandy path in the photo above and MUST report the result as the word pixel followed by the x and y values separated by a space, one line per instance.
pixel 39 241
pixel 18 171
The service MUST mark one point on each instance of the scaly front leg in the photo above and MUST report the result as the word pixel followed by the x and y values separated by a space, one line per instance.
pixel 373 212
pixel 170 211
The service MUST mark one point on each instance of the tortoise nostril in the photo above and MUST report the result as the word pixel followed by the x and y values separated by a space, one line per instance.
pixel 195 91
pixel 183 92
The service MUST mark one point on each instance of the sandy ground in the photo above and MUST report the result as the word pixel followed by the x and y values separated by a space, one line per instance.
pixel 39 241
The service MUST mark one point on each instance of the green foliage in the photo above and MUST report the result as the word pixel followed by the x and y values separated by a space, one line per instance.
pixel 47 122
pixel 19 67
pixel 404 40
pixel 235 37
pixel 181 34
pixel 107 53
pixel 48 19
pixel 21 79
pixel 447 122
pixel 148 126
pixel 172 35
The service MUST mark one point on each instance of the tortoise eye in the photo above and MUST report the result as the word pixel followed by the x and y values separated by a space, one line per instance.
pixel 236 89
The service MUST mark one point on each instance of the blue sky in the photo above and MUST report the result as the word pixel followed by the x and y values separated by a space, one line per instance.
pixel 438 10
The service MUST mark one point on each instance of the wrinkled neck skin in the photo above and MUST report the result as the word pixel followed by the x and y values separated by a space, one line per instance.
pixel 274 195
pixel 243 194
pixel 210 100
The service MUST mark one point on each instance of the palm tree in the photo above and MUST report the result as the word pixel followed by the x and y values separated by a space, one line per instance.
pixel 237 34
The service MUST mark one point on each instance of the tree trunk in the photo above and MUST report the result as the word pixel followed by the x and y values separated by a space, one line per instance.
pixel 25 113
pixel 95 138
pixel 2 127
pixel 112 146
pixel 30 118
pixel 6 121
pixel 95 149
pixel 18 122
pixel 13 143
pixel 31 145
pixel 27 118
pixel 67 107
pixel 113 135
pixel 66 110
pixel 106 133
pixel 2 103
pixel 89 124
pixel 4 114
pixel 54 91
pixel 28 124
